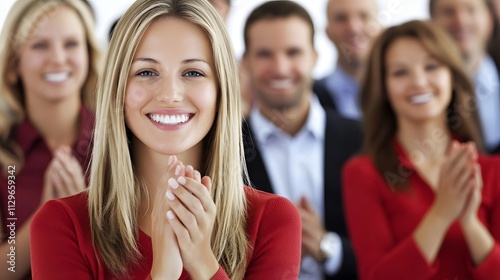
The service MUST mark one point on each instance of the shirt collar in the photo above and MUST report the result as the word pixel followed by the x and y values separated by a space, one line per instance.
pixel 26 134
pixel 342 81
pixel 486 70
pixel 315 123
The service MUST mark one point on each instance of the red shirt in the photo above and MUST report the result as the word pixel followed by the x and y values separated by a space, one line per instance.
pixel 61 247
pixel 381 223
pixel 37 156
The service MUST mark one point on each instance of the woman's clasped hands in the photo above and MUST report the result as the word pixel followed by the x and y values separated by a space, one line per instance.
pixel 183 217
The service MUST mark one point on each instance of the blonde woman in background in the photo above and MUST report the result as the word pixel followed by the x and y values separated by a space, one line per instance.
pixel 48 73
pixel 166 198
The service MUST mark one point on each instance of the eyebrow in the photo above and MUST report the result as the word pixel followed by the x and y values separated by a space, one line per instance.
pixel 186 61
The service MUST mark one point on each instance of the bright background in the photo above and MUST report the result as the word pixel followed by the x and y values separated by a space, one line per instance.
pixel 391 12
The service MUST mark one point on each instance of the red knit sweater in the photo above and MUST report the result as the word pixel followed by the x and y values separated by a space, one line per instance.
pixel 61 247
pixel 381 223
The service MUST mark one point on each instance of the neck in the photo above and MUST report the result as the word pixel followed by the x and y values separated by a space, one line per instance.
pixel 472 62
pixel 290 120
pixel 424 142
pixel 353 69
pixel 57 122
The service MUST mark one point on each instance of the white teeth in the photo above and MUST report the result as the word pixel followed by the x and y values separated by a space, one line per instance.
pixel 169 119
pixel 57 77
pixel 422 98
pixel 282 84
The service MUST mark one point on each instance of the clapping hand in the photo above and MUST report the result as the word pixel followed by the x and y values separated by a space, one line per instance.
pixel 188 218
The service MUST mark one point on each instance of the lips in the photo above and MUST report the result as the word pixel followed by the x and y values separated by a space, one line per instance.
pixel 281 84
pixel 57 77
pixel 170 119
pixel 421 98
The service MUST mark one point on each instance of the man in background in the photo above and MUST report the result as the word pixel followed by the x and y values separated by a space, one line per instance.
pixel 352 26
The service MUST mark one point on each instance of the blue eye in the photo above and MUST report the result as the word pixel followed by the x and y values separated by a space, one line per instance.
pixel 193 74
pixel 146 73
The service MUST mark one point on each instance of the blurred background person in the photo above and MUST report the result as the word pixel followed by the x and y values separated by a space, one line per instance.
pixel 420 204
pixel 352 25
pixel 48 69
pixel 471 24
pixel 293 146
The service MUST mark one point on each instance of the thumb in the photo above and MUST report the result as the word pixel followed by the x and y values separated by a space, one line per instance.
pixel 207 182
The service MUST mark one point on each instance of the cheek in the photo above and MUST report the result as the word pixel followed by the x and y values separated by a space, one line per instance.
pixel 206 99
pixel 81 59
pixel 135 97
pixel 29 62
pixel 395 92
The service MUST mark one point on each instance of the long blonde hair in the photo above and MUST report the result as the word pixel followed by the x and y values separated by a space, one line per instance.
pixel 21 21
pixel 115 191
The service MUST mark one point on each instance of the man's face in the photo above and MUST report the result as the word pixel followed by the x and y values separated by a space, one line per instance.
pixel 352 27
pixel 280 59
pixel 468 21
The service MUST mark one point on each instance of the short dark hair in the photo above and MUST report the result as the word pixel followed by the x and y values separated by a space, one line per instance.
pixel 432 4
pixel 276 10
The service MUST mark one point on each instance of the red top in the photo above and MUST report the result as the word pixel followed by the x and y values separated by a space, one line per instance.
pixel 61 246
pixel 37 156
pixel 381 223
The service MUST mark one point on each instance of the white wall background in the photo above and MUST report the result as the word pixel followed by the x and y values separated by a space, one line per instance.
pixel 391 12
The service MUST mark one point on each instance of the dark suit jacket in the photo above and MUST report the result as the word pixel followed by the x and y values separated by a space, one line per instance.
pixel 323 93
pixel 343 139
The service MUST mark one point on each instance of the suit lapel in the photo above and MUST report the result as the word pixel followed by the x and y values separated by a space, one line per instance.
pixel 255 165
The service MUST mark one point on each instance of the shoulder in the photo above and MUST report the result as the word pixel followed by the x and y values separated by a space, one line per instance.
pixel 267 208
pixel 69 211
pixel 274 231
pixel 361 165
pixel 259 202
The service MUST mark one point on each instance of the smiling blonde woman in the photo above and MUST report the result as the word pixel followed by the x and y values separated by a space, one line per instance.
pixel 166 197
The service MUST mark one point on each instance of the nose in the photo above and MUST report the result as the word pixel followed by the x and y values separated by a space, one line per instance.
pixel 169 89
pixel 57 54
pixel 460 19
pixel 419 78
pixel 355 25
pixel 281 65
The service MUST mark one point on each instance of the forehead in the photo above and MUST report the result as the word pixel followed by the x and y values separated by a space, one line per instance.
pixel 61 21
pixel 351 5
pixel 397 52
pixel 280 32
pixel 448 3
pixel 171 35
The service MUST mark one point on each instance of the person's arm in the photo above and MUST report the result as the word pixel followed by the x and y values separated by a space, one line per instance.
pixel 276 253
pixel 378 254
pixel 483 239
pixel 55 248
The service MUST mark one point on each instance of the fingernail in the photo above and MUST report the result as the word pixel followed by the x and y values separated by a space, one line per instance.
pixel 170 195
pixel 170 160
pixel 181 180
pixel 170 215
pixel 189 168
pixel 177 170
pixel 173 183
